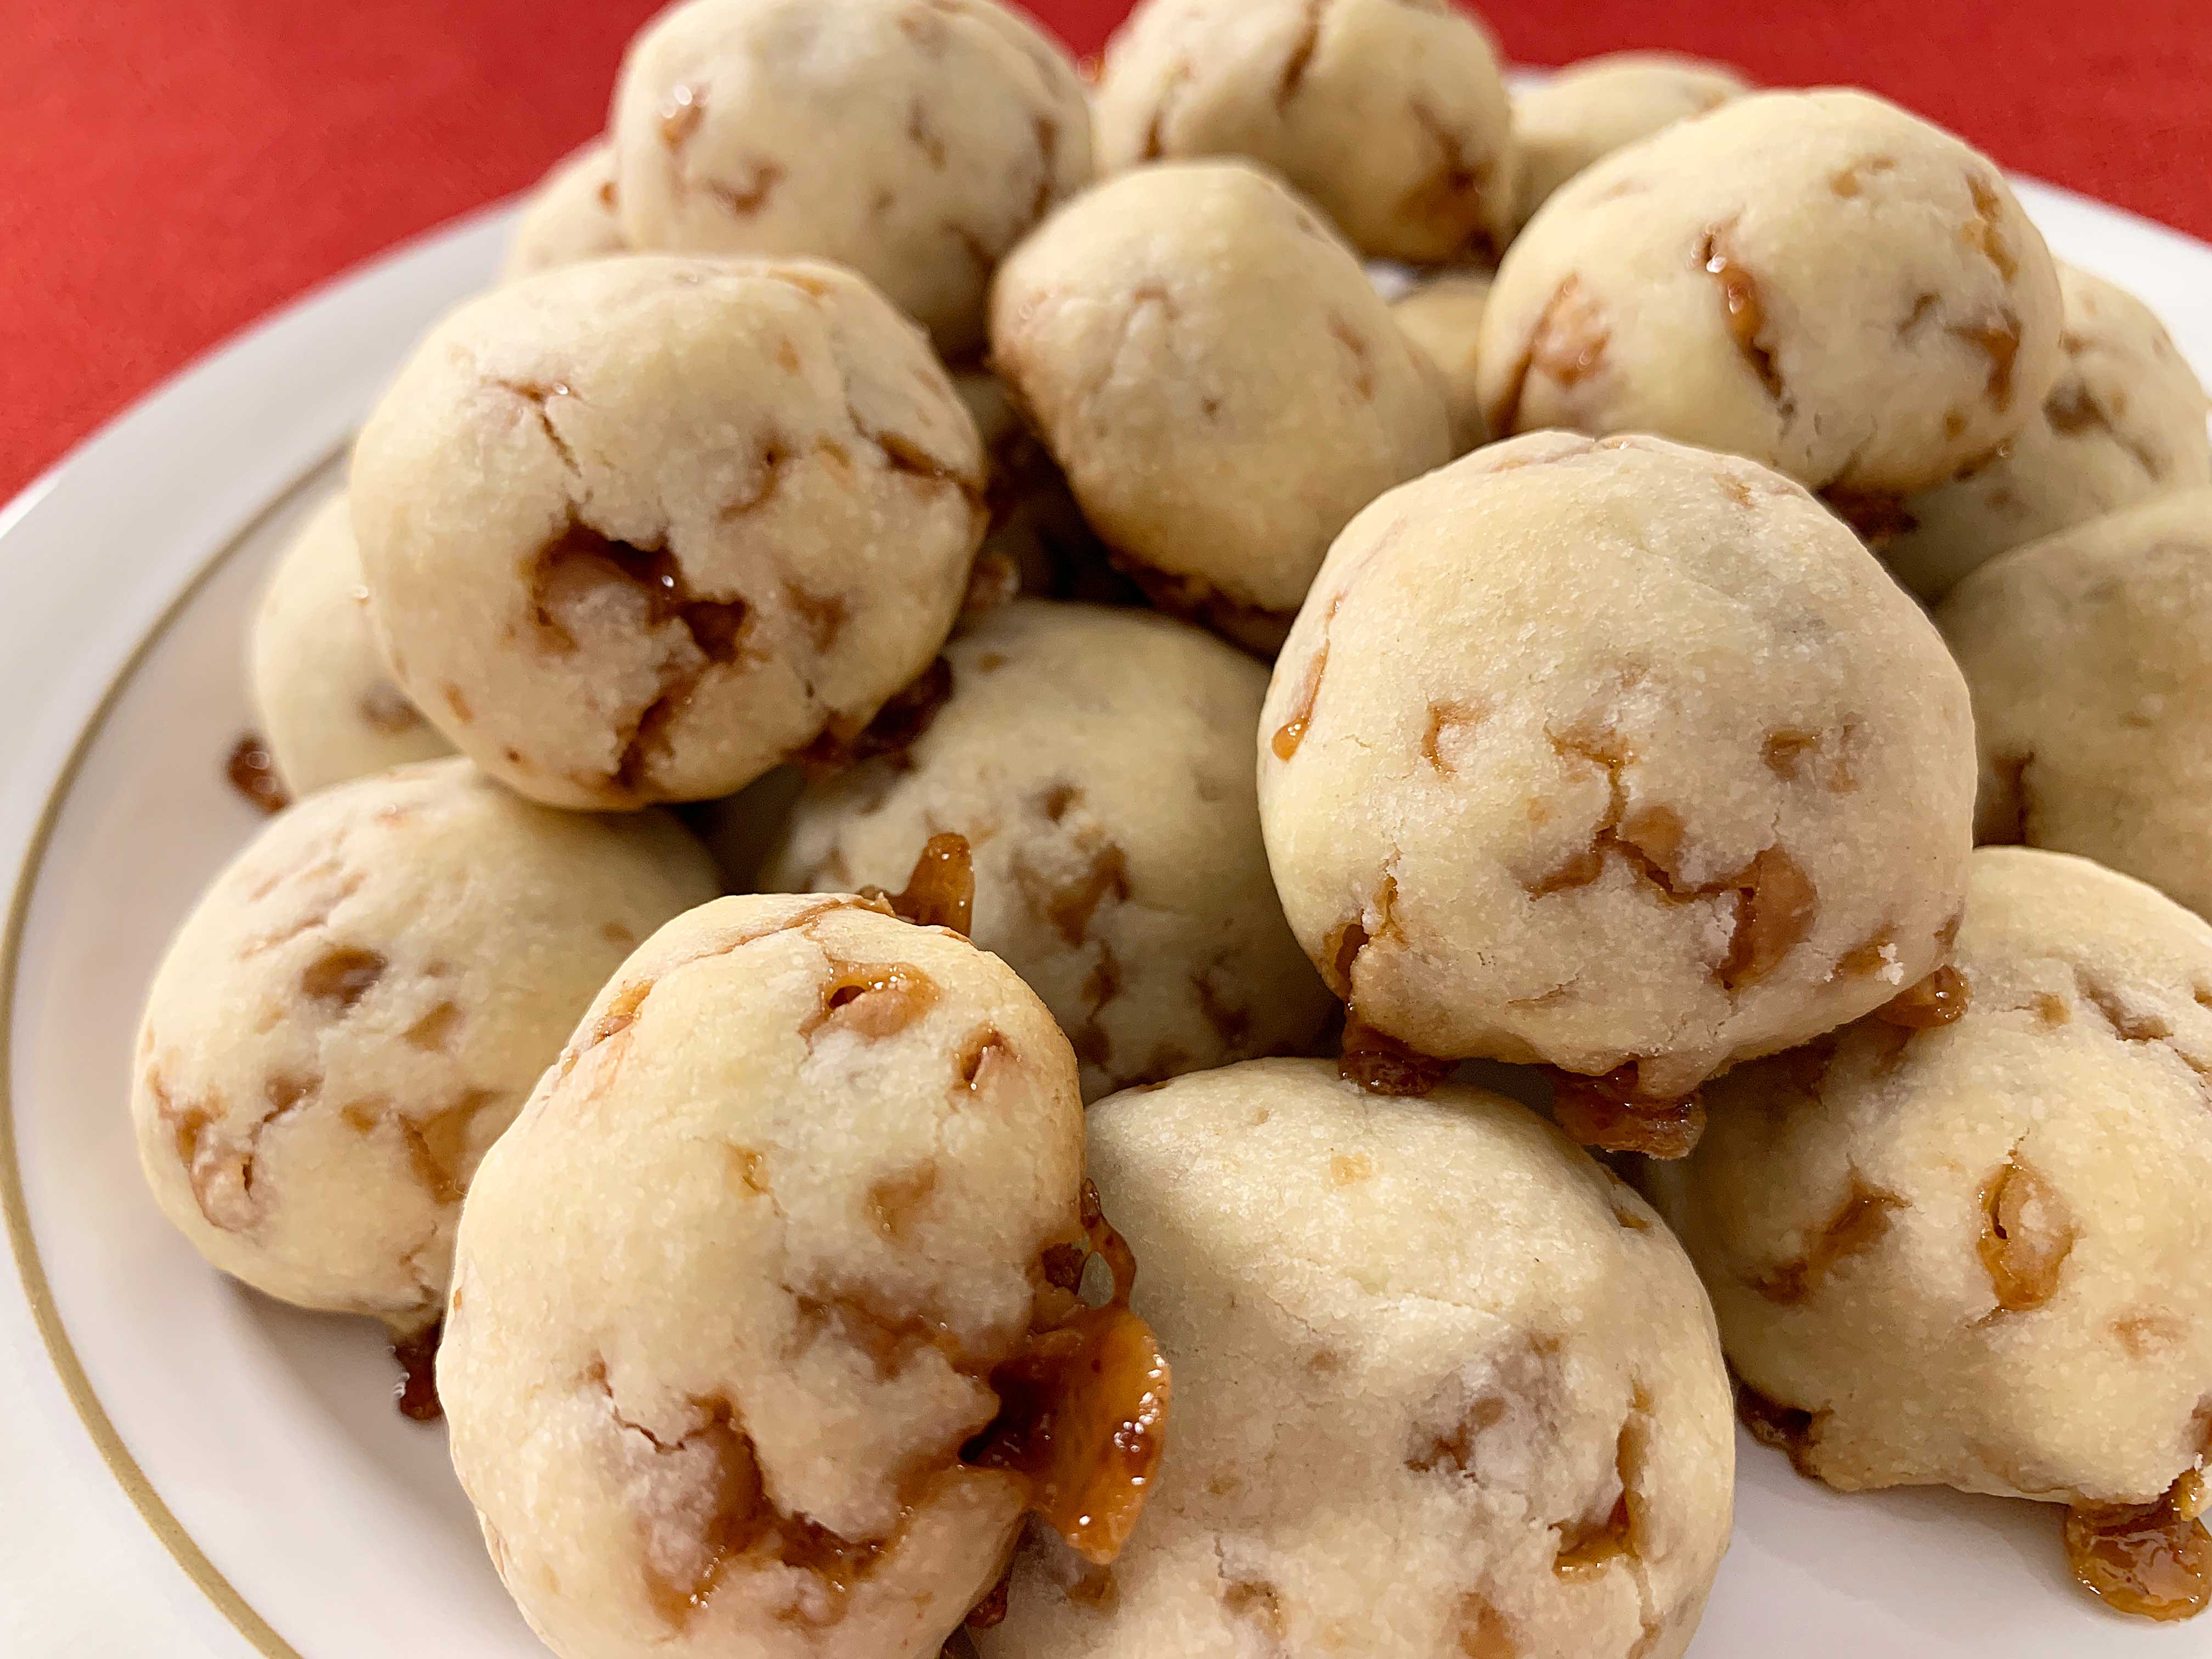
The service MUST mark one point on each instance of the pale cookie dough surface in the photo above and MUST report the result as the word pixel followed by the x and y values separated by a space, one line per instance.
pixel 1817 281
pixel 1442 315
pixel 1220 380
pixel 2123 424
pixel 2089 654
pixel 1974 1255
pixel 1390 115
pixel 914 140
pixel 322 695
pixel 570 214
pixel 1591 109
pixel 1444 1387
pixel 729 1293
pixel 639 528
pixel 1099 764
pixel 1592 752
pixel 358 1007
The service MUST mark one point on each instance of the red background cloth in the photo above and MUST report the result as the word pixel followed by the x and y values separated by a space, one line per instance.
pixel 174 170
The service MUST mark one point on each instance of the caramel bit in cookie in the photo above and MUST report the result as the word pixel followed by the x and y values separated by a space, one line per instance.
pixel 1586 1547
pixel 821 616
pixel 1069 905
pixel 1849 181
pixel 1607 1112
pixel 1293 732
pixel 940 891
pixel 1998 341
pixel 1300 57
pixel 1775 907
pixel 747 194
pixel 434 1030
pixel 873 1000
pixel 1454 195
pixel 1083 1405
pixel 1940 999
pixel 1382 1065
pixel 1363 361
pixel 252 772
pixel 1744 311
pixel 2027 1232
pixel 991 1612
pixel 2153 1561
pixel 1983 234
pixel 896 1201
pixel 1448 722
pixel 729 1516
pixel 581 563
pixel 342 977
pixel 1567 343
pixel 681 111
pixel 977 1056
pixel 1484 1632
pixel 1788 1429
pixel 621 1014
pixel 415 1393
pixel 384 709
pixel 1859 1224
pixel 898 725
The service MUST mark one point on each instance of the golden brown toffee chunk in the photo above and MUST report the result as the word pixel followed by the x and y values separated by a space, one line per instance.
pixel 1941 998
pixel 941 891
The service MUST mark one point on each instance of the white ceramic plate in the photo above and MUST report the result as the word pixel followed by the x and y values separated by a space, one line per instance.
pixel 260 1493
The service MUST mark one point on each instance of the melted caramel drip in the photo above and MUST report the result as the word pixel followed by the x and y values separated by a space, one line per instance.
pixel 897 725
pixel 1791 1430
pixel 1607 1112
pixel 252 772
pixel 417 1391
pixel 1083 1405
pixel 2153 1561
pixel 941 891
pixel 1939 1000
pixel 1382 1065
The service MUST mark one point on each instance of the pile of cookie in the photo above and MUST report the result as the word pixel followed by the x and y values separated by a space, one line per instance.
pixel 1115 1183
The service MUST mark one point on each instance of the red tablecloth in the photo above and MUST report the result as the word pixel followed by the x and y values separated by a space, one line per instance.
pixel 172 170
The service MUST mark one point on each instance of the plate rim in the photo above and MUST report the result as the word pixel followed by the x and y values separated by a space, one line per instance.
pixel 38 771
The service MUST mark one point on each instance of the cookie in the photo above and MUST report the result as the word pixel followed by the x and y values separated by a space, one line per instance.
pixel 2124 422
pixel 1217 377
pixel 1615 756
pixel 1391 115
pixel 1099 765
pixel 1966 1253
pixel 323 698
pixel 637 530
pixel 1442 315
pixel 738 1289
pixel 1429 1359
pixel 570 216
pixel 1817 281
pixel 915 143
pixel 1591 108
pixel 358 1007
pixel 2089 654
